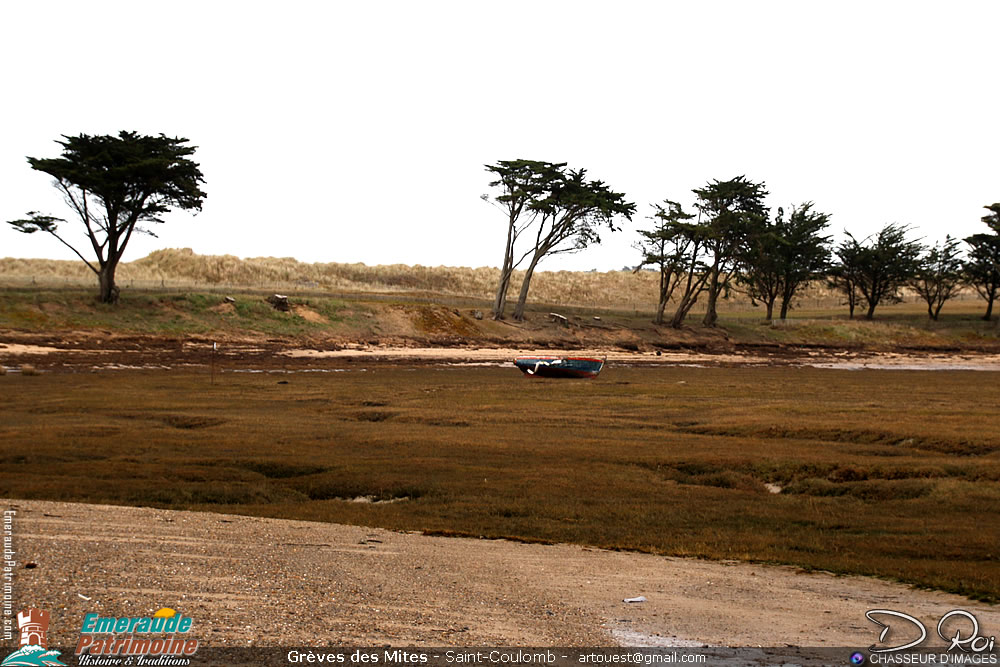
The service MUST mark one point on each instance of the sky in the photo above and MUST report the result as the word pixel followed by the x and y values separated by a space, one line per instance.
pixel 359 131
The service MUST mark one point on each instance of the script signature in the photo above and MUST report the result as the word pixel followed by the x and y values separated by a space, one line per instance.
pixel 958 620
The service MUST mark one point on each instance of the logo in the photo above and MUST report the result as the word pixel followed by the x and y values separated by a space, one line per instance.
pixel 164 634
pixel 34 642
pixel 958 627
pixel 857 658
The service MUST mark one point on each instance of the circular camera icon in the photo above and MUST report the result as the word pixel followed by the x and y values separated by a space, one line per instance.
pixel 857 658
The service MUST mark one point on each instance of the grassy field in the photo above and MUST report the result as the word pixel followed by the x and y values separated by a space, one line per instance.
pixel 179 293
pixel 894 474
pixel 168 313
pixel 322 319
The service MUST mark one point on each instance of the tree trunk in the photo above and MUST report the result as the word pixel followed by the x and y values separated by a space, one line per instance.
pixel 678 319
pixel 692 290
pixel 664 295
pixel 770 310
pixel 523 296
pixel 500 302
pixel 852 297
pixel 870 315
pixel 989 310
pixel 683 307
pixel 660 308
pixel 711 317
pixel 787 294
pixel 106 279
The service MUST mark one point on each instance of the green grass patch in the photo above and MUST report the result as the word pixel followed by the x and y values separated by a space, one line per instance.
pixel 432 318
pixel 168 313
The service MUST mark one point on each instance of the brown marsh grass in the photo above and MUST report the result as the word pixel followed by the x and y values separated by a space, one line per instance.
pixel 887 473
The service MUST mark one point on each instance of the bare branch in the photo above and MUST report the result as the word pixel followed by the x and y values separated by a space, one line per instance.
pixel 89 265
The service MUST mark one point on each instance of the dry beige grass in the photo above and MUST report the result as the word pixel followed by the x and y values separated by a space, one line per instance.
pixel 182 268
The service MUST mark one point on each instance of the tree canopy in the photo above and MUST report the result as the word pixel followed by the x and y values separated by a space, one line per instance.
pixel 982 266
pixel 938 277
pixel 571 214
pixel 668 246
pixel 992 219
pixel 730 211
pixel 845 272
pixel 880 265
pixel 520 182
pixel 781 255
pixel 117 185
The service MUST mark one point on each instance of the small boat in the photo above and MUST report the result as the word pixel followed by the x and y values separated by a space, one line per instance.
pixel 560 367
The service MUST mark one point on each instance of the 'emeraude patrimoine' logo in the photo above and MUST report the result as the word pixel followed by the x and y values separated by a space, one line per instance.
pixel 110 635
pixel 33 648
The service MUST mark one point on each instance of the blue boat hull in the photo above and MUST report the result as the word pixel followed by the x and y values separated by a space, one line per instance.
pixel 560 367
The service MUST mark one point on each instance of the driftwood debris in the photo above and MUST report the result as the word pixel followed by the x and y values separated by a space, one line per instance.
pixel 279 302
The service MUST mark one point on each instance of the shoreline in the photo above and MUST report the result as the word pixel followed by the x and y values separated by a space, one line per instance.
pixel 160 352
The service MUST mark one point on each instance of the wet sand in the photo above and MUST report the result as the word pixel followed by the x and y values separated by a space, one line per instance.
pixel 157 353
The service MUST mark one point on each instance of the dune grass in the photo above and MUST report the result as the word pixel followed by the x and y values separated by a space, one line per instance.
pixel 893 474
pixel 621 290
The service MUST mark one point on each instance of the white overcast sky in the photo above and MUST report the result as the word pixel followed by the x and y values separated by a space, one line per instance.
pixel 358 131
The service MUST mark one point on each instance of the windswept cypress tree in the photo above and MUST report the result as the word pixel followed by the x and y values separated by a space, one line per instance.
pixel 117 186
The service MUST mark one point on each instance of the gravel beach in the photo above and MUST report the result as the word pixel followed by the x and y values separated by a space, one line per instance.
pixel 256 582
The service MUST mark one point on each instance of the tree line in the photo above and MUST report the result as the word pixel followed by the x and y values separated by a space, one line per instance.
pixel 732 241
pixel 120 185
